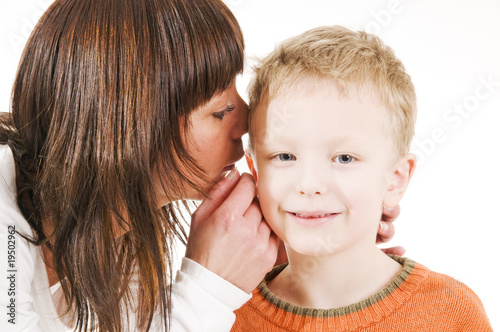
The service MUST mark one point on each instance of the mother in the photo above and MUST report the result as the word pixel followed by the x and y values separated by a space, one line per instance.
pixel 122 109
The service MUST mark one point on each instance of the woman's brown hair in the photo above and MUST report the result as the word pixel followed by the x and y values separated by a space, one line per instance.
pixel 97 108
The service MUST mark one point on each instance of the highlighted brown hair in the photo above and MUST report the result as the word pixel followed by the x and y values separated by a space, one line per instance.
pixel 96 112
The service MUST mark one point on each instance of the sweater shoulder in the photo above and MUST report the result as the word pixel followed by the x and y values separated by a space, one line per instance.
pixel 452 297
pixel 450 288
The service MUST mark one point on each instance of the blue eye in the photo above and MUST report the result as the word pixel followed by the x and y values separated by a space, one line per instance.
pixel 220 115
pixel 344 159
pixel 285 157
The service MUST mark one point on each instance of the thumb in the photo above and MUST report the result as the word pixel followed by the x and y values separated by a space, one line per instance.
pixel 217 196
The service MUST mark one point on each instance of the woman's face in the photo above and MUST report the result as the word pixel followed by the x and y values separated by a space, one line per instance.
pixel 213 138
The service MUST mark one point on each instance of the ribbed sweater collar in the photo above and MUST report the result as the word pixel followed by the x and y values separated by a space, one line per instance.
pixel 355 316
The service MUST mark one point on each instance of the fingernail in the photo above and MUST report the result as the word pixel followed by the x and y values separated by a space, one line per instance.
pixel 232 174
pixel 383 227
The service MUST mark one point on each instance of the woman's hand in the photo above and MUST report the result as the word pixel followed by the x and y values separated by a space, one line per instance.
pixel 228 235
pixel 386 230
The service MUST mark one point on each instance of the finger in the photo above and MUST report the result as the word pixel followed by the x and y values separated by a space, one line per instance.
pixel 242 195
pixel 399 251
pixel 389 215
pixel 264 229
pixel 217 195
pixel 274 248
pixel 275 242
pixel 253 212
pixel 282 257
pixel 386 232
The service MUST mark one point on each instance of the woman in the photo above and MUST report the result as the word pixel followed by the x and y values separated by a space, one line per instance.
pixel 121 109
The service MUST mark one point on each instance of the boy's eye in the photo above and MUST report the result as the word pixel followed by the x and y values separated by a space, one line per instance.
pixel 220 115
pixel 285 157
pixel 344 159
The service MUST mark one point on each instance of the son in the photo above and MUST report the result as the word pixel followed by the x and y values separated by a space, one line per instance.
pixel 332 118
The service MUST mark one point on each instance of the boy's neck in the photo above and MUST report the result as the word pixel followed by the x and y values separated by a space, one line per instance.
pixel 334 281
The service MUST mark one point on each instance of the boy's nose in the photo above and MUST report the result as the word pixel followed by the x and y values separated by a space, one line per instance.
pixel 311 183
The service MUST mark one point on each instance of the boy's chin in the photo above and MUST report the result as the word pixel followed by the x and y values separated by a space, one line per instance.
pixel 311 248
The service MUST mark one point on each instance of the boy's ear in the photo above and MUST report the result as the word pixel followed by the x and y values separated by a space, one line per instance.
pixel 399 180
pixel 249 159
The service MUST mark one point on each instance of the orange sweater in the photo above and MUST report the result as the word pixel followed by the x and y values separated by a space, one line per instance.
pixel 417 300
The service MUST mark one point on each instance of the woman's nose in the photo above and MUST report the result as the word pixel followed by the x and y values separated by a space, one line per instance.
pixel 241 125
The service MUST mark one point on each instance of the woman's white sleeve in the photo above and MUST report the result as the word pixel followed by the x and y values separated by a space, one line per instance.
pixel 202 301
pixel 25 298
pixel 17 268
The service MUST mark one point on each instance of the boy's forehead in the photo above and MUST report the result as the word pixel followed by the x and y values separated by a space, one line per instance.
pixel 279 107
pixel 310 109
pixel 308 85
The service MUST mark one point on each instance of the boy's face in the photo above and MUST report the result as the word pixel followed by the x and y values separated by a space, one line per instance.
pixel 324 165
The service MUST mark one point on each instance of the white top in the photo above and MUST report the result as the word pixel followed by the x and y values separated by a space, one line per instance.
pixel 201 300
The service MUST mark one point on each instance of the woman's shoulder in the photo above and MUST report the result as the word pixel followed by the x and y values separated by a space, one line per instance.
pixel 21 258
pixel 10 215
pixel 7 173
pixel 12 221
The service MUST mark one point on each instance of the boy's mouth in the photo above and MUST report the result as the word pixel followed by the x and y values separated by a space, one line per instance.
pixel 312 215
pixel 313 218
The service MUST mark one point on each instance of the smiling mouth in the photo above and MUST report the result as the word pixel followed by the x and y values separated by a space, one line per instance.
pixel 312 216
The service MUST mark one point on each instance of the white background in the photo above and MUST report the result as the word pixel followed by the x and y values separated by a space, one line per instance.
pixel 450 220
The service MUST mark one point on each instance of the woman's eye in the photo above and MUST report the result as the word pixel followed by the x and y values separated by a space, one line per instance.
pixel 285 157
pixel 344 159
pixel 220 115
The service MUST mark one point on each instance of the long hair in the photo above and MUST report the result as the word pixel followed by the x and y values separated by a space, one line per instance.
pixel 97 108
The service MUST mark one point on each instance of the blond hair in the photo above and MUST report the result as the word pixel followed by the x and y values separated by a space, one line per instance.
pixel 350 60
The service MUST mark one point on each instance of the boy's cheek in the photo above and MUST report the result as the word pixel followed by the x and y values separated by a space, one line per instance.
pixel 265 188
pixel 272 201
pixel 270 183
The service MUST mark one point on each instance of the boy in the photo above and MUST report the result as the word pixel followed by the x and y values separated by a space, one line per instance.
pixel 333 115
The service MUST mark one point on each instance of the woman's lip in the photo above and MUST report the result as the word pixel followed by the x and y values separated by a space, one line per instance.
pixel 314 218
